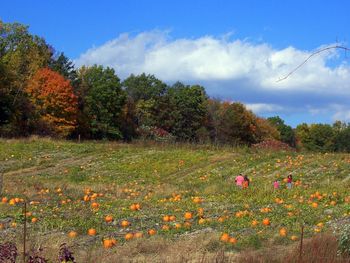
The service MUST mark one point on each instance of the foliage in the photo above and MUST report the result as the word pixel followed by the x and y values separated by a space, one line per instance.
pixel 65 67
pixel 236 125
pixel 54 100
pixel 8 252
pixel 65 254
pixel 143 87
pixel 286 132
pixel 21 56
pixel 344 240
pixel 182 110
pixel 316 137
pixel 36 256
pixel 101 101
pixel 264 130
pixel 342 136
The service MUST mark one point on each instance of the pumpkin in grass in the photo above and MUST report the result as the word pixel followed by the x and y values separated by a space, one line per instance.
pixel 201 221
pixel 254 223
pixel 165 227
pixel 232 240
pixel 108 243
pixel 266 222
pixel 294 238
pixel 72 234
pixel 225 237
pixel 197 200
pixel 109 218
pixel 188 215
pixel 129 236
pixel 138 235
pixel 34 220
pixel 152 232
pixel 166 218
pixel 283 232
pixel 135 207
pixel 92 232
pixel 95 205
pixel 4 200
pixel 125 223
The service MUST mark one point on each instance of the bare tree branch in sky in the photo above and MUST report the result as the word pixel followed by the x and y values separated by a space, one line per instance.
pixel 309 57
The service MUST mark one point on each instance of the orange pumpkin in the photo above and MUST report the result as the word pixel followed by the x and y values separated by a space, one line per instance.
pixel 201 221
pixel 283 232
pixel 95 205
pixel 314 205
pixel 108 243
pixel 255 223
pixel 138 235
pixel 232 240
pixel 125 223
pixel 152 232
pixel 129 236
pixel 294 238
pixel 197 200
pixel 109 218
pixel 266 222
pixel 4 200
pixel 72 234
pixel 178 225
pixel 91 232
pixel 166 218
pixel 165 227
pixel 188 215
pixel 34 220
pixel 225 237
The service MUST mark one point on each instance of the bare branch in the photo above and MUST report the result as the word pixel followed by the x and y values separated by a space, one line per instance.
pixel 309 57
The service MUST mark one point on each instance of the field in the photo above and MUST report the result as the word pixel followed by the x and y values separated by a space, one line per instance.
pixel 147 202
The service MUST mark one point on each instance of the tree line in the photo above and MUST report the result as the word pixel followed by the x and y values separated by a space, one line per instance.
pixel 41 92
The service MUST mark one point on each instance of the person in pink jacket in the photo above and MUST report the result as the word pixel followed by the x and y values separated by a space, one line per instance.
pixel 239 180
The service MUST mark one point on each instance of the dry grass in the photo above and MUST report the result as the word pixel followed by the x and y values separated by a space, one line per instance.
pixel 319 249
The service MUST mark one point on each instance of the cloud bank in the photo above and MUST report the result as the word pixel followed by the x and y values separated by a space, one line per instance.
pixel 235 70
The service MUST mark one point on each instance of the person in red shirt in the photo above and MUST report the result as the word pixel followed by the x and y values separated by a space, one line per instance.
pixel 289 181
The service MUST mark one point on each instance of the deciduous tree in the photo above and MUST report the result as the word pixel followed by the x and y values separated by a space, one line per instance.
pixel 54 100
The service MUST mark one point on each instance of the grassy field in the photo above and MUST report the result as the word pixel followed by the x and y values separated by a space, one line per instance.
pixel 71 188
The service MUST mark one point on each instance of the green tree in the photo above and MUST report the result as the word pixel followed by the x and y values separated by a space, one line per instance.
pixel 182 111
pixel 342 136
pixel 317 137
pixel 143 87
pixel 101 101
pixel 21 56
pixel 287 134
pixel 65 67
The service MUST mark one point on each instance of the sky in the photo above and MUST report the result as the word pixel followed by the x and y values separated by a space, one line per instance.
pixel 237 50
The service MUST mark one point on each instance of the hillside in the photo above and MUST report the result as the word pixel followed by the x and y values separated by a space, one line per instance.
pixel 73 187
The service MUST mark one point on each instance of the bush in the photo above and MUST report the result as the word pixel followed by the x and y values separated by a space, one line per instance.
pixel 344 241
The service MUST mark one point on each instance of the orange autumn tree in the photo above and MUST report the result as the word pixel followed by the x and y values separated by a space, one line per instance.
pixel 54 100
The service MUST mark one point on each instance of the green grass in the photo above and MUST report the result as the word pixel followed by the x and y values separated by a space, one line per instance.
pixel 151 175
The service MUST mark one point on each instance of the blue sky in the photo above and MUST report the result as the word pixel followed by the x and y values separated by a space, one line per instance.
pixel 236 49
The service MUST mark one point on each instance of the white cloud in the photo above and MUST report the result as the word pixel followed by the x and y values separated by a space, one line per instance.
pixel 235 70
pixel 263 107
pixel 209 58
